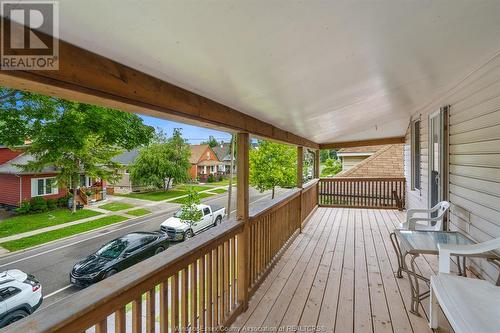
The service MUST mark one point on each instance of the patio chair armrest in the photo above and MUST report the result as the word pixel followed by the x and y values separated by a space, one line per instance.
pixel 445 251
pixel 413 221
pixel 411 212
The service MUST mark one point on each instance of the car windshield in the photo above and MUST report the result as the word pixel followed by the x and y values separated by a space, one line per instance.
pixel 178 213
pixel 113 249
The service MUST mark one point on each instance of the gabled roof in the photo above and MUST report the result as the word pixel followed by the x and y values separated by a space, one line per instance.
pixel 223 151
pixel 388 161
pixel 196 152
pixel 11 166
pixel 367 150
pixel 127 158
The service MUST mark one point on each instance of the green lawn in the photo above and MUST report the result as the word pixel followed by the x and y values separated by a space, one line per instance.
pixel 24 223
pixel 223 182
pixel 195 187
pixel 46 237
pixel 202 196
pixel 138 212
pixel 154 196
pixel 116 206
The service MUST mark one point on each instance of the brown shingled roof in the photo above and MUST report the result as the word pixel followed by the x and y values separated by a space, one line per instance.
pixel 196 152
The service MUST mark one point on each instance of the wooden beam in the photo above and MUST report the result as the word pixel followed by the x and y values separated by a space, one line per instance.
pixel 242 213
pixel 91 78
pixel 363 143
pixel 300 166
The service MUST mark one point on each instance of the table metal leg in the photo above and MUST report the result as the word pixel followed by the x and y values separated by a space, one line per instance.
pixel 413 277
pixel 399 255
pixel 464 263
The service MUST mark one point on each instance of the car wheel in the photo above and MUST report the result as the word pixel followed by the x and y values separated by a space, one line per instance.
pixel 217 221
pixel 159 249
pixel 15 316
pixel 110 273
pixel 188 234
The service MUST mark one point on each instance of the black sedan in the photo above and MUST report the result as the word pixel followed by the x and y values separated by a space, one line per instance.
pixel 117 255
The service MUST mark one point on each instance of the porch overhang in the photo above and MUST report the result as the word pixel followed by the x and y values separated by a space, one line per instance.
pixel 307 73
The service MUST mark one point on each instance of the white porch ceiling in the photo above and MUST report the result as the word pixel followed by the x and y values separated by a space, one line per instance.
pixel 325 70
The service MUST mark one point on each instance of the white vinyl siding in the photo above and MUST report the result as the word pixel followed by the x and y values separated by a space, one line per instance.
pixel 474 158
pixel 43 186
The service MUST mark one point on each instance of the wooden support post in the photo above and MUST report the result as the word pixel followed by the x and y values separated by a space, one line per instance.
pixel 317 155
pixel 300 181
pixel 300 166
pixel 242 209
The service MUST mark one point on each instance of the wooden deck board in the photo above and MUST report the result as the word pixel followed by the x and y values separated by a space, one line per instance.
pixel 338 276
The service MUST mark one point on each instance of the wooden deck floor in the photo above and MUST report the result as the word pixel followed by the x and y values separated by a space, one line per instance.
pixel 338 276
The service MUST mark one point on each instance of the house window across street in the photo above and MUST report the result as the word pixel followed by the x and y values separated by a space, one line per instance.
pixel 43 186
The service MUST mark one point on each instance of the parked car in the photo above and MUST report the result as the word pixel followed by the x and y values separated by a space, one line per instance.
pixel 178 229
pixel 20 296
pixel 118 255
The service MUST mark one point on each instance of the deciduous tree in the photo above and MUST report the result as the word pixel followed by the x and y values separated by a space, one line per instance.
pixel 73 137
pixel 273 164
pixel 160 162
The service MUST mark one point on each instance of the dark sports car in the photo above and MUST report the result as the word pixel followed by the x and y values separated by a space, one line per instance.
pixel 117 255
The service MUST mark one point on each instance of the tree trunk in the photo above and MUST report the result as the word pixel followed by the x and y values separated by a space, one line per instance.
pixel 272 197
pixel 74 185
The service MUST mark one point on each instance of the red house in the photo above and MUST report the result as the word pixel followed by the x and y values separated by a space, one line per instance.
pixel 203 162
pixel 17 186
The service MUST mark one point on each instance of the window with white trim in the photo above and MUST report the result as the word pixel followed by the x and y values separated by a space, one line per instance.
pixel 415 156
pixel 43 186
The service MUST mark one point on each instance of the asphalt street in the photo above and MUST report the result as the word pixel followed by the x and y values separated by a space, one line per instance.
pixel 52 263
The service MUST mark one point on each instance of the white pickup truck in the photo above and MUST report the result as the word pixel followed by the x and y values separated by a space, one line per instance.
pixel 178 229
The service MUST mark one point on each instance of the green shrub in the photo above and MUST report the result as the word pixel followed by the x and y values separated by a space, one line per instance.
pixel 38 205
pixel 24 208
pixel 63 201
pixel 51 204
pixel 210 178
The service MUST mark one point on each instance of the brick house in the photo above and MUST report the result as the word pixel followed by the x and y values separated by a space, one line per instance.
pixel 386 161
pixel 203 161
pixel 17 186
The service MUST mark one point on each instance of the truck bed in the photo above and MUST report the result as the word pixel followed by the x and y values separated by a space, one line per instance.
pixel 216 208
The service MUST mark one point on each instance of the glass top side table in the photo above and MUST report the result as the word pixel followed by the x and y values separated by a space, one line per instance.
pixel 415 243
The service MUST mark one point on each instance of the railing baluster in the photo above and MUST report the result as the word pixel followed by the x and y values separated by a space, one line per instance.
pixel 120 323
pixel 120 316
pixel 194 296
pixel 174 303
pixel 215 285
pixel 163 307
pixel 102 326
pixel 201 296
pixel 184 301
pixel 137 315
pixel 226 279
pixel 150 311
pixel 210 323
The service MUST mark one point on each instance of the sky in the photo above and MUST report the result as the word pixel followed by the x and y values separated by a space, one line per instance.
pixel 193 134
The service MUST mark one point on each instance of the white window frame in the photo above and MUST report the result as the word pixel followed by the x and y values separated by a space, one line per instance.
pixel 34 187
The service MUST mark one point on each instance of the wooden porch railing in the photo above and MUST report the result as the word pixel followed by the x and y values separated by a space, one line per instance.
pixel 191 286
pixel 363 192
